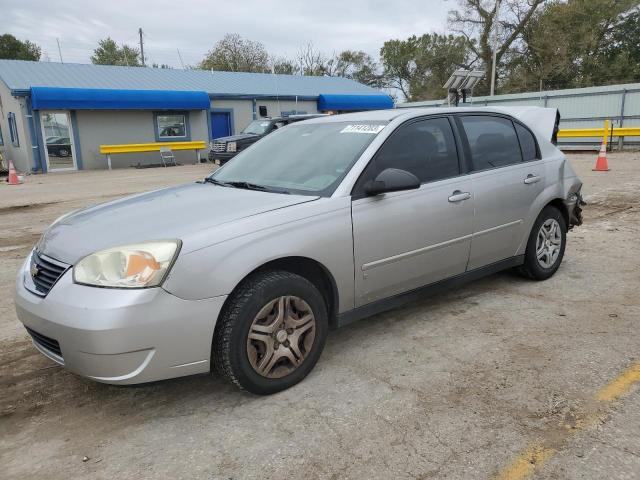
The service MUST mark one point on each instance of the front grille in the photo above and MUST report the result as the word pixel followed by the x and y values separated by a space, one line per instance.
pixel 219 147
pixel 45 273
pixel 45 342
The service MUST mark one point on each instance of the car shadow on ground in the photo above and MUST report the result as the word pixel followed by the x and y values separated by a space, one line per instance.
pixel 33 385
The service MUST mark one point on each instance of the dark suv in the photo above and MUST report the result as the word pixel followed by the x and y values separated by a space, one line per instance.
pixel 225 148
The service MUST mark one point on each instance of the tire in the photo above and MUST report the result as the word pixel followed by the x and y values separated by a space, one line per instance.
pixel 536 268
pixel 253 309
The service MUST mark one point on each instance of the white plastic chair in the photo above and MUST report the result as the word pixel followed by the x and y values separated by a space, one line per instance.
pixel 167 156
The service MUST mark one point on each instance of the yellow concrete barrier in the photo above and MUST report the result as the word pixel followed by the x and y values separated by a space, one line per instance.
pixel 149 147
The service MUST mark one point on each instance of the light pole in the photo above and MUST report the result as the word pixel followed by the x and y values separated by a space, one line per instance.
pixel 495 48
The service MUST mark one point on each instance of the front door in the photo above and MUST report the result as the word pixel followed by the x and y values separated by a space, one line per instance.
pixel 220 124
pixel 404 240
pixel 58 140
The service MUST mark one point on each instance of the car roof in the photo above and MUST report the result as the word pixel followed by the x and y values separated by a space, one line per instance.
pixel 540 119
pixel 392 114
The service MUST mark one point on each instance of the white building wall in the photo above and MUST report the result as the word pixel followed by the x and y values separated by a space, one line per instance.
pixel 243 109
pixel 22 156
pixel 100 127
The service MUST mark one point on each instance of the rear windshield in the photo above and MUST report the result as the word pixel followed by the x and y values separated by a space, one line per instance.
pixel 303 158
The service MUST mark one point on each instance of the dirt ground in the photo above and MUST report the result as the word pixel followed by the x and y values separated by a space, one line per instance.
pixel 452 387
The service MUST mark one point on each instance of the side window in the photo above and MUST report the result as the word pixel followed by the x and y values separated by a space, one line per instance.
pixel 492 141
pixel 527 143
pixel 426 148
pixel 13 129
pixel 171 126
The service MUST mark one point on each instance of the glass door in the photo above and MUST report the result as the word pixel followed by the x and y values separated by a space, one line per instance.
pixel 58 139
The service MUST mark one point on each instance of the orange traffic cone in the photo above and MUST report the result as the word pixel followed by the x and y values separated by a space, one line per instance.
pixel 601 163
pixel 13 176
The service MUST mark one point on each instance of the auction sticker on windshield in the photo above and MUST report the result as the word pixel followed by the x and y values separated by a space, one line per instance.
pixel 363 128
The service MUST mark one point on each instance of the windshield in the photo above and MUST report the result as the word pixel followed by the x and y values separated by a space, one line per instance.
pixel 302 158
pixel 257 127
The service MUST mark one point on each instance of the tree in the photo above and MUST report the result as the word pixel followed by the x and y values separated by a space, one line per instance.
pixel 13 49
pixel 575 44
pixel 108 53
pixel 236 54
pixel 312 62
pixel 356 65
pixel 476 21
pixel 622 52
pixel 419 66
pixel 284 66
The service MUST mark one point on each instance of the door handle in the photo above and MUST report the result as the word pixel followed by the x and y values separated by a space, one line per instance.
pixel 531 179
pixel 458 196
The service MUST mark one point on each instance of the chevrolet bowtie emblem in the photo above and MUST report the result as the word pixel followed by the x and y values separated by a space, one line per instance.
pixel 34 270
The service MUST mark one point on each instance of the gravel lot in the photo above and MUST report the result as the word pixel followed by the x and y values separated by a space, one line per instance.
pixel 451 387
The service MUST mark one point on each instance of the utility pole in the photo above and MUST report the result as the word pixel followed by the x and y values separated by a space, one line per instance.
pixel 59 50
pixel 141 47
pixel 495 48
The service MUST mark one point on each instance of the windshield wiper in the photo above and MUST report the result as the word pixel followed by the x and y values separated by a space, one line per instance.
pixel 216 182
pixel 255 186
pixel 244 185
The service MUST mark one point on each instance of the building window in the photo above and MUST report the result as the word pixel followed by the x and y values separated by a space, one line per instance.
pixel 1 139
pixel 13 129
pixel 172 126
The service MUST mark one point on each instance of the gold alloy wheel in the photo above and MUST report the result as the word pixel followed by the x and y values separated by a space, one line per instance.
pixel 281 336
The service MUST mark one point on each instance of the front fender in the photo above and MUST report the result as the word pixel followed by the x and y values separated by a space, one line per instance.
pixel 321 234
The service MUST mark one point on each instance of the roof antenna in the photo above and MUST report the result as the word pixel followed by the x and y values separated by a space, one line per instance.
pixel 180 57
pixel 275 82
pixel 126 58
pixel 59 49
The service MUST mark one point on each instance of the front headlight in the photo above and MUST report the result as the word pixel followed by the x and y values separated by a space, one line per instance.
pixel 131 266
pixel 231 147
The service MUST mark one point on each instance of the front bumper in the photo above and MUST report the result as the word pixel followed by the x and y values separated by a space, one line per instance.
pixel 120 336
pixel 222 156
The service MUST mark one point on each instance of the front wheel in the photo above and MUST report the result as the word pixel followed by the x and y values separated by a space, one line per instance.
pixel 271 333
pixel 546 244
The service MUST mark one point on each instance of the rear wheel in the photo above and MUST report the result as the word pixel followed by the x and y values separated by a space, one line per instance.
pixel 546 244
pixel 271 333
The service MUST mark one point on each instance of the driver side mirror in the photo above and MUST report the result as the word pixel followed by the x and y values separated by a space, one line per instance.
pixel 392 180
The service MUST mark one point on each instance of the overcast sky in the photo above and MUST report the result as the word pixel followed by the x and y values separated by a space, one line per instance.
pixel 193 26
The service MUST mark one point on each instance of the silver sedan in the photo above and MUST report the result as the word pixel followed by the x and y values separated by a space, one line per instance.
pixel 322 223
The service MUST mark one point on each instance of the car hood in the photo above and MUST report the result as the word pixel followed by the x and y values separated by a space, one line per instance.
pixel 171 213
pixel 236 138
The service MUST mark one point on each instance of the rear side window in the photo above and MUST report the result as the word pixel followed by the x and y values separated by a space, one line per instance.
pixel 492 141
pixel 527 143
pixel 425 148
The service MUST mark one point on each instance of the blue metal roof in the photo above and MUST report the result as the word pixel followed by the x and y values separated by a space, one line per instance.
pixel 21 75
pixel 354 102
pixel 51 98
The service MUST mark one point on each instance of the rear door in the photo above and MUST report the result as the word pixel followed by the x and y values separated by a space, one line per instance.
pixel 504 185
pixel 404 240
